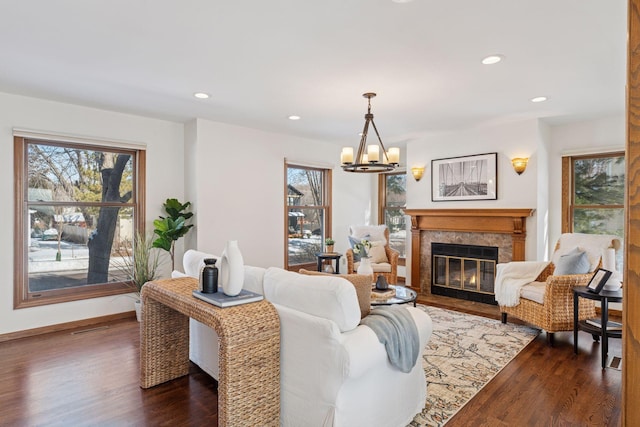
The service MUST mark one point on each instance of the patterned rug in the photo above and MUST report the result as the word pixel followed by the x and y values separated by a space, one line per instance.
pixel 464 353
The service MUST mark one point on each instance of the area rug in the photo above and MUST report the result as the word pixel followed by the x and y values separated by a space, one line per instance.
pixel 464 353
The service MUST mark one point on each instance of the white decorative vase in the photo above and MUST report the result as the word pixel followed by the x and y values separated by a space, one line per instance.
pixel 365 266
pixel 231 269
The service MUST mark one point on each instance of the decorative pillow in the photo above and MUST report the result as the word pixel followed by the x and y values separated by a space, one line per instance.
pixel 574 262
pixel 361 282
pixel 377 252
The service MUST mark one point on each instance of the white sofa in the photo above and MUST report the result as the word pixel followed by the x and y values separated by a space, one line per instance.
pixel 334 372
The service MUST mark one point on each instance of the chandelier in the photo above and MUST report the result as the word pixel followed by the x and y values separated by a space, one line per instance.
pixel 376 159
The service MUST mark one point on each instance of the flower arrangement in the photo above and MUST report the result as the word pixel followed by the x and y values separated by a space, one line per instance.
pixel 362 248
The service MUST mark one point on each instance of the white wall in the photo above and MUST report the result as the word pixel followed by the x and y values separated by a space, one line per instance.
pixel 593 136
pixel 539 187
pixel 517 139
pixel 165 178
pixel 239 190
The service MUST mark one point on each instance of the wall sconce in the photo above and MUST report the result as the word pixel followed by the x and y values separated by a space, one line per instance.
pixel 519 164
pixel 417 173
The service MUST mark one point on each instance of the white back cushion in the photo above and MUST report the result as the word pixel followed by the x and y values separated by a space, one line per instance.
pixel 593 244
pixel 375 232
pixel 193 261
pixel 329 297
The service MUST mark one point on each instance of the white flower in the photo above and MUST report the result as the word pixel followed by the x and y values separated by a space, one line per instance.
pixel 362 248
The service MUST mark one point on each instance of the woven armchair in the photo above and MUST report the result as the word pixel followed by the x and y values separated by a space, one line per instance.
pixel 379 269
pixel 556 312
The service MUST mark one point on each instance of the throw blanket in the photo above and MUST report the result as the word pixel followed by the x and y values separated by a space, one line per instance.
pixel 512 276
pixel 396 329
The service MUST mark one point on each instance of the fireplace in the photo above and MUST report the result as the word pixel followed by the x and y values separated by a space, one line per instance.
pixel 464 271
pixel 504 229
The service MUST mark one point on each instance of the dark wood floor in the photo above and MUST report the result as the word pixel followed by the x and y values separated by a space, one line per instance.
pixel 91 377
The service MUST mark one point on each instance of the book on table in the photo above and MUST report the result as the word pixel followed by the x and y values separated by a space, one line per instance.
pixel 221 300
pixel 611 326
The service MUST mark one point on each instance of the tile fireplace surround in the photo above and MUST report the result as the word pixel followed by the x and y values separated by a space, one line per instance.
pixel 504 228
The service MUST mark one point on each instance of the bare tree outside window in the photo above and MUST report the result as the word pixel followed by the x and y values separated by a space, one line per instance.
pixel 307 208
pixel 81 211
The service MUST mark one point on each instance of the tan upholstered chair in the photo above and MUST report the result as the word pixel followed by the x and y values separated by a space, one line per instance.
pixel 553 310
pixel 375 233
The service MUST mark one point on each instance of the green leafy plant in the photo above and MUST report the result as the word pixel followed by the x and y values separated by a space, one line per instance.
pixel 362 248
pixel 172 227
pixel 329 241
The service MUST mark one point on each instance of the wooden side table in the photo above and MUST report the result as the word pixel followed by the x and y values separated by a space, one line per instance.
pixel 605 297
pixel 249 383
pixel 322 256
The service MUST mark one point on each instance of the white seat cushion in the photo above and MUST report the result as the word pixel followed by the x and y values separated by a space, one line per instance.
pixel 534 291
pixel 381 267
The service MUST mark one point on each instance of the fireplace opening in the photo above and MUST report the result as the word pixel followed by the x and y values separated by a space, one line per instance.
pixel 464 271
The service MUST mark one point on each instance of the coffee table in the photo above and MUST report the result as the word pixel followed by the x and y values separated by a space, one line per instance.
pixel 403 295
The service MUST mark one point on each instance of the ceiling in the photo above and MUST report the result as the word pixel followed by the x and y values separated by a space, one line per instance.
pixel 262 61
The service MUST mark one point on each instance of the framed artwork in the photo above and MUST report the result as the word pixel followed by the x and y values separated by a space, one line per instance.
pixel 598 280
pixel 465 178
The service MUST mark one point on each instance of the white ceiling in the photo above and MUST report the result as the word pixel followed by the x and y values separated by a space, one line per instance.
pixel 262 61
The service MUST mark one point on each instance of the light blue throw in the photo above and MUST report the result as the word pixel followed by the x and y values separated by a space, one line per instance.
pixel 397 330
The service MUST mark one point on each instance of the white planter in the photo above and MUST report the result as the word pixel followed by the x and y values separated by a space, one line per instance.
pixel 365 267
pixel 138 306
pixel 231 276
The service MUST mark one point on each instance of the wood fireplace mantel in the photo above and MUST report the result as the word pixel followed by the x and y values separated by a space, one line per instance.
pixel 507 221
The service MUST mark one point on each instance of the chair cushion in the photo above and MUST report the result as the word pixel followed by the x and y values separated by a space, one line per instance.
pixel 361 282
pixel 382 267
pixel 375 232
pixel 534 291
pixel 592 244
pixel 574 262
pixel 377 252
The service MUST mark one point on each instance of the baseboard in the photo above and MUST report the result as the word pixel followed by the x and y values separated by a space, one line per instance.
pixel 67 326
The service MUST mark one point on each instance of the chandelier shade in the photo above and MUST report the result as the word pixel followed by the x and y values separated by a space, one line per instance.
pixel 373 158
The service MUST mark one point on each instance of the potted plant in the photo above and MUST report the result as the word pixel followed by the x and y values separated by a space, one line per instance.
pixel 169 229
pixel 329 242
pixel 138 264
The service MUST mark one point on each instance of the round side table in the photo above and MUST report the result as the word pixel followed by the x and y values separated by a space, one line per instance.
pixel 331 256
pixel 605 297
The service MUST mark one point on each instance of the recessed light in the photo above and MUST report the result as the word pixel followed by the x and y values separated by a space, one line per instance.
pixel 402 1
pixel 539 99
pixel 492 59
pixel 201 95
pixel 294 117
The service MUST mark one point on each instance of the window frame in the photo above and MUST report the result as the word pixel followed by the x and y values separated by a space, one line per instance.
pixel 382 206
pixel 326 207
pixel 22 296
pixel 568 188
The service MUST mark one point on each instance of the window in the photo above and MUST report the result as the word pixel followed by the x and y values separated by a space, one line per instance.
pixel 77 208
pixel 392 200
pixel 308 214
pixel 594 195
